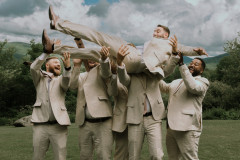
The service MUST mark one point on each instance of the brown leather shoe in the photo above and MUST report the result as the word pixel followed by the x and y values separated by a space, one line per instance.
pixel 53 17
pixel 47 43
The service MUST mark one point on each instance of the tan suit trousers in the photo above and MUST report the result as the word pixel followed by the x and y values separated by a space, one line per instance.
pixel 121 145
pixel 43 135
pixel 96 136
pixel 182 144
pixel 136 133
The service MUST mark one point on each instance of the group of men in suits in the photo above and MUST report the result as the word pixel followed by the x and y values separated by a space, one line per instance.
pixel 134 80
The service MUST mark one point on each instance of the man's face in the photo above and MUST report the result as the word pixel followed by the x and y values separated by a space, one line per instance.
pixel 160 33
pixel 92 64
pixel 53 66
pixel 195 67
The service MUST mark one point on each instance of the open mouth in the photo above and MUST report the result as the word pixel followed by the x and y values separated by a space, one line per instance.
pixel 57 68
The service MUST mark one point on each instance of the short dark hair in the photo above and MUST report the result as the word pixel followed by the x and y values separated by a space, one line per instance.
pixel 165 28
pixel 203 63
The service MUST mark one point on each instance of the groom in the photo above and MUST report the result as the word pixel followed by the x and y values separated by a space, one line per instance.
pixel 156 52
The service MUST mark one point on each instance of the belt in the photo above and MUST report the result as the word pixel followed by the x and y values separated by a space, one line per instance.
pixel 147 114
pixel 48 122
pixel 97 120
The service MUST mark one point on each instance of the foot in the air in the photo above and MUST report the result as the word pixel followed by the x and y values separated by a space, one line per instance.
pixel 53 17
pixel 47 43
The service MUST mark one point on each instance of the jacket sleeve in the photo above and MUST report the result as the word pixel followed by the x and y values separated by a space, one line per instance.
pixel 170 66
pixel 74 77
pixel 65 82
pixel 197 86
pixel 187 50
pixel 105 69
pixel 112 86
pixel 164 87
pixel 35 68
pixel 124 78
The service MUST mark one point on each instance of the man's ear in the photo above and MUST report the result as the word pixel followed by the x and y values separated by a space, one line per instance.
pixel 165 35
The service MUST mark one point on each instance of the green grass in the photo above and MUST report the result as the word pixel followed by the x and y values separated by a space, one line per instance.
pixel 220 140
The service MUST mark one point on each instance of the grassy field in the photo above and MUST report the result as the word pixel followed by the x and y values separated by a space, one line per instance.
pixel 220 140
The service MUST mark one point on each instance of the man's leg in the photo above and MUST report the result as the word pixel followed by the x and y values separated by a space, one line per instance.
pixel 40 141
pixel 85 141
pixel 135 140
pixel 103 139
pixel 86 33
pixel 154 137
pixel 188 144
pixel 58 140
pixel 172 146
pixel 121 145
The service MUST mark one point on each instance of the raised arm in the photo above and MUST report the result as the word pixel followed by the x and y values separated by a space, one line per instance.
pixel 164 87
pixel 66 71
pixel 105 70
pixel 124 78
pixel 75 73
pixel 196 86
pixel 189 51
pixel 35 68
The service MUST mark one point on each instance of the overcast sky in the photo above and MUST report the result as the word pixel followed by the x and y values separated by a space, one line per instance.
pixel 205 23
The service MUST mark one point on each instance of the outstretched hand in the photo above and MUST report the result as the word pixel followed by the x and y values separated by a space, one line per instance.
pixel 122 53
pixel 104 52
pixel 66 60
pixel 200 51
pixel 57 42
pixel 174 43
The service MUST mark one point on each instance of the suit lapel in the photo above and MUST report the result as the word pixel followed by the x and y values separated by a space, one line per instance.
pixel 178 87
pixel 143 81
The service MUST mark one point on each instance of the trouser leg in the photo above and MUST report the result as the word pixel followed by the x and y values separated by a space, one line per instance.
pixel 132 61
pixel 135 140
pixel 172 146
pixel 40 142
pixel 86 141
pixel 154 137
pixel 58 140
pixel 121 145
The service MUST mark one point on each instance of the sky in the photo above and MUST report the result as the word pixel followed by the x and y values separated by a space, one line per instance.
pixel 198 23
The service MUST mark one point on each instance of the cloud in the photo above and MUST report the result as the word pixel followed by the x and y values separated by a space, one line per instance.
pixel 208 24
pixel 100 9
pixel 13 8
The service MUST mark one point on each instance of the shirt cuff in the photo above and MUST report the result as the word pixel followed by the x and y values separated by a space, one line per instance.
pixel 43 56
pixel 114 76
pixel 105 61
pixel 122 67
pixel 66 73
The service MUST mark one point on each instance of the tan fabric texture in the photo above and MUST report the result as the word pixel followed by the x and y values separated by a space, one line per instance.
pixel 121 145
pixel 158 52
pixel 182 144
pixel 56 96
pixel 45 134
pixel 184 114
pixel 98 137
pixel 153 130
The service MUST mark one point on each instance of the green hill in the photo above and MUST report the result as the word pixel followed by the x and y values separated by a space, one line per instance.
pixel 21 48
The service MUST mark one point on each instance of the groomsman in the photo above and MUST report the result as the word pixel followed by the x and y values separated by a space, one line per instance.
pixel 50 118
pixel 184 111
pixel 94 110
pixel 145 108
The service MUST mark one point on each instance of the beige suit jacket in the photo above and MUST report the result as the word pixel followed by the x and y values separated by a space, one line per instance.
pixel 185 101
pixel 157 53
pixel 139 86
pixel 120 94
pixel 58 88
pixel 92 91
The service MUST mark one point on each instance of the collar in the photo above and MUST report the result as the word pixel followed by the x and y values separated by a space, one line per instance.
pixel 47 74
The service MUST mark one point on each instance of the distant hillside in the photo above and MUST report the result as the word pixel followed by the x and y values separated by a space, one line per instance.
pixel 21 48
pixel 211 62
